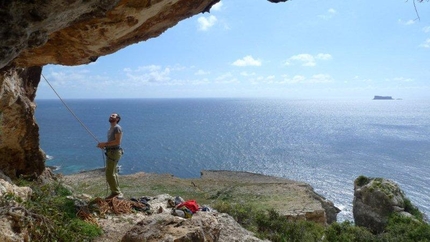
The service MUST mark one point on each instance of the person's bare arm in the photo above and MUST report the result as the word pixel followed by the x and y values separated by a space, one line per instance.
pixel 115 142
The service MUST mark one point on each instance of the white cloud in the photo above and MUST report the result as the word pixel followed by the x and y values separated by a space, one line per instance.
pixel 360 79
pixel 330 14
pixel 426 44
pixel 247 61
pixel 257 80
pixel 148 74
pixel 72 76
pixel 244 73
pixel 206 23
pixel 322 56
pixel 307 59
pixel 295 79
pixel 201 72
pixel 320 78
pixel 70 79
pixel 271 79
pixel 402 79
pixel 155 75
pixel 217 6
pixel 426 29
pixel 226 78
pixel 409 22
pixel 315 79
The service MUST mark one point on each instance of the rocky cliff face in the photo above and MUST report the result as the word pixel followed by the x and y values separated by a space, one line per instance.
pixel 19 134
pixel 65 32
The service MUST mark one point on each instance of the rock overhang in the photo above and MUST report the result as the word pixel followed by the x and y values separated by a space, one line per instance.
pixel 72 32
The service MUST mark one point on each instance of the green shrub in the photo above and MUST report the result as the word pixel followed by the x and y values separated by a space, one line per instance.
pixel 275 227
pixel 410 208
pixel 53 216
pixel 401 228
pixel 244 214
pixel 361 181
pixel 270 225
pixel 346 231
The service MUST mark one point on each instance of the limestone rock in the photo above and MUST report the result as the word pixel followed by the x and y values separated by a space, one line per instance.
pixel 165 227
pixel 8 231
pixel 375 199
pixel 202 226
pixel 7 188
pixel 232 231
pixel 11 213
pixel 19 133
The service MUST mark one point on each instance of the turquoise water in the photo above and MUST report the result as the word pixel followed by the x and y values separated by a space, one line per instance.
pixel 324 143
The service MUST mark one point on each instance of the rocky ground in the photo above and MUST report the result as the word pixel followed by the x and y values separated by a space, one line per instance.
pixel 115 227
pixel 294 199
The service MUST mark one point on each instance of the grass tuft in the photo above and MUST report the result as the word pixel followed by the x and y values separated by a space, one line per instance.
pixel 52 217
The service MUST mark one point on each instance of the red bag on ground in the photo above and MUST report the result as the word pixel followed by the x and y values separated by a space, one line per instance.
pixel 190 204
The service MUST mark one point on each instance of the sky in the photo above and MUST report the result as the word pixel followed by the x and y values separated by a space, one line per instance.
pixel 300 49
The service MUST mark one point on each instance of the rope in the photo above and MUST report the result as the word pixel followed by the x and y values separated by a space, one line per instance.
pixel 70 110
pixel 82 124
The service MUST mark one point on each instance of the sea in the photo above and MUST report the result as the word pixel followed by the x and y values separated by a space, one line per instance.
pixel 325 143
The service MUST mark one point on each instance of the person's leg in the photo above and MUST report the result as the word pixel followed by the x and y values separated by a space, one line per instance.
pixel 111 171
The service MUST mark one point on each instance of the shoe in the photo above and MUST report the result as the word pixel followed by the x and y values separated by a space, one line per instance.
pixel 112 195
pixel 117 195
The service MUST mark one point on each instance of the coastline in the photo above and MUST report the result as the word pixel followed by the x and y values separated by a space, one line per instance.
pixel 295 200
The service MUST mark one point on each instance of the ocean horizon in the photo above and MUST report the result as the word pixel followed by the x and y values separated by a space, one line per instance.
pixel 325 143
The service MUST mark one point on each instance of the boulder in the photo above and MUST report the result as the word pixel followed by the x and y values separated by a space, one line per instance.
pixel 13 191
pixel 375 200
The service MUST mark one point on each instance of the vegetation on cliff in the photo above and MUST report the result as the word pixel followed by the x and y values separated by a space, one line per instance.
pixel 53 218
pixel 268 224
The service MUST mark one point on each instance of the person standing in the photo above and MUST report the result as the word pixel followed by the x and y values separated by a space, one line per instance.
pixel 113 152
